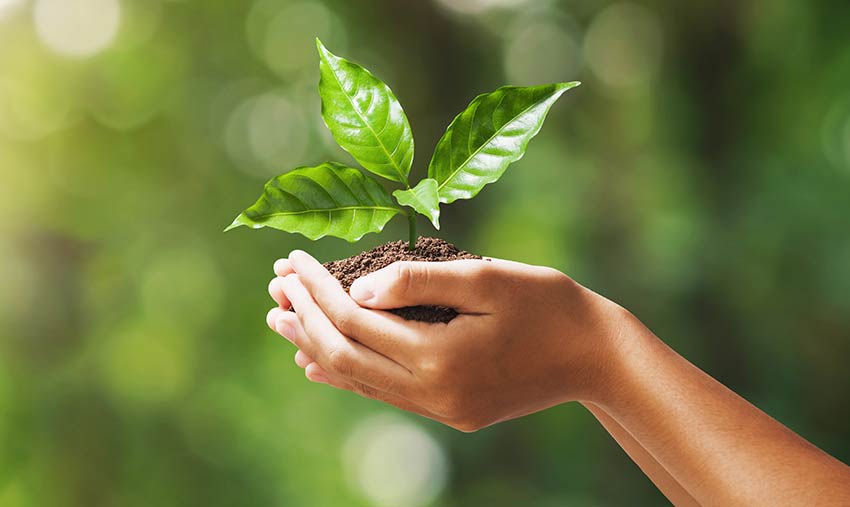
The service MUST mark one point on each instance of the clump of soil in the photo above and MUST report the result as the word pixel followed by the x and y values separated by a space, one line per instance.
pixel 427 249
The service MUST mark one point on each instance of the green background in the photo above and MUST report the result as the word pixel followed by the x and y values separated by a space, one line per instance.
pixel 700 177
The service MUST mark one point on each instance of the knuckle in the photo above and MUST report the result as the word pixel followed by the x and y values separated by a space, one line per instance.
pixel 345 320
pixel 339 361
pixel 483 274
pixel 408 278
pixel 404 276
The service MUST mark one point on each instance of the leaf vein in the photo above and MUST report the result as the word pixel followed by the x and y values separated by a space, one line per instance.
pixel 368 125
pixel 461 166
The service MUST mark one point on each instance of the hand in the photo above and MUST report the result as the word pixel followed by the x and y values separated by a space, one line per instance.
pixel 526 337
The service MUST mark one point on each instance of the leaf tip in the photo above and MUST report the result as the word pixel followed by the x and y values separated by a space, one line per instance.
pixel 569 84
pixel 323 50
pixel 236 223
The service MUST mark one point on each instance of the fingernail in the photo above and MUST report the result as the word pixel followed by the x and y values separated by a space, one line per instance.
pixel 361 290
pixel 284 328
pixel 274 286
pixel 280 266
pixel 321 379
pixel 295 254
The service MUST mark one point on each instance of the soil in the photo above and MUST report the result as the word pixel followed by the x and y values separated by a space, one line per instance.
pixel 427 249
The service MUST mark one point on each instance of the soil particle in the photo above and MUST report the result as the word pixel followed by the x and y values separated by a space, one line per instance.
pixel 427 249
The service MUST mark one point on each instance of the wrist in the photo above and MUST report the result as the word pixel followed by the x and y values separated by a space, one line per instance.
pixel 622 343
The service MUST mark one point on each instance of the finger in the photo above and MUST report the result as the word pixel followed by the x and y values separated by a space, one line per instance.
pixel 302 359
pixel 382 332
pixel 272 316
pixel 289 326
pixel 462 284
pixel 276 292
pixel 315 373
pixel 282 267
pixel 335 352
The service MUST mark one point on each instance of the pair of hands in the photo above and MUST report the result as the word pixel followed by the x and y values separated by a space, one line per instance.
pixel 526 337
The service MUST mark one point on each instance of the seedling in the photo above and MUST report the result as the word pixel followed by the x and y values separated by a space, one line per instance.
pixel 367 121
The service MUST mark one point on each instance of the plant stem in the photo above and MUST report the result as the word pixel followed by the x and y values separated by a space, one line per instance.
pixel 411 221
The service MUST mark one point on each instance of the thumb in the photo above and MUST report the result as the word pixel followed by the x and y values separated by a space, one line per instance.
pixel 456 284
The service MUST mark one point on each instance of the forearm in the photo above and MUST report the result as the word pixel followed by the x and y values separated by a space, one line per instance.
pixel 649 466
pixel 719 447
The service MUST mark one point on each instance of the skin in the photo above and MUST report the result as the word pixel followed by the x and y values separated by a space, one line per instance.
pixel 528 338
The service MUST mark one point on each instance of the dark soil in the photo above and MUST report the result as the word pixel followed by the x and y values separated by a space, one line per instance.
pixel 427 249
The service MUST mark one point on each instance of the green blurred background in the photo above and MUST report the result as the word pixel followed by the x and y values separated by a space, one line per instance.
pixel 700 177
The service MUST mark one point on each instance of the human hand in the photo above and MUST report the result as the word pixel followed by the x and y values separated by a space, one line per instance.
pixel 526 338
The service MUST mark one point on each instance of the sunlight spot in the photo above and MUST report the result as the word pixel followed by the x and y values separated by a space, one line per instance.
pixel 623 46
pixel 541 51
pixel 78 28
pixel 7 7
pixel 266 133
pixel 393 462
pixel 835 133
pixel 139 23
pixel 29 113
pixel 472 7
pixel 283 36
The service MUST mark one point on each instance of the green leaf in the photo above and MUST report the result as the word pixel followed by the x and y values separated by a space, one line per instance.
pixel 490 134
pixel 326 200
pixel 364 117
pixel 423 198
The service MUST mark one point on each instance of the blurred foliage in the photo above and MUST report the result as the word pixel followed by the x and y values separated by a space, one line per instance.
pixel 700 177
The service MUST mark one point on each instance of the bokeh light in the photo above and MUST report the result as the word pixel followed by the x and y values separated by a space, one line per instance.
pixel 542 50
pixel 472 7
pixel 78 28
pixel 7 7
pixel 835 133
pixel 27 114
pixel 266 134
pixel 623 46
pixel 125 93
pixel 283 34
pixel 393 462
pixel 139 22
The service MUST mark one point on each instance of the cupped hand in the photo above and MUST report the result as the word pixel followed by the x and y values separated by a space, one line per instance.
pixel 526 337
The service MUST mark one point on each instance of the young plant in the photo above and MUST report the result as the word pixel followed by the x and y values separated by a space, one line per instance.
pixel 367 121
